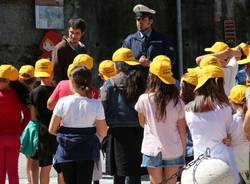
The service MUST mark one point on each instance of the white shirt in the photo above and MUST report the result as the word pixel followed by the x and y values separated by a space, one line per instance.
pixel 240 143
pixel 238 134
pixel 230 72
pixel 78 111
pixel 208 129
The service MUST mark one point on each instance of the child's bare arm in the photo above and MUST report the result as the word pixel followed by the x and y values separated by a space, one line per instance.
pixel 227 140
pixel 51 104
pixel 223 56
pixel 141 118
pixel 246 123
pixel 54 124
pixel 182 128
pixel 33 112
pixel 101 128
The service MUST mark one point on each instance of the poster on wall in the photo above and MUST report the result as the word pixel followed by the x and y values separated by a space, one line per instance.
pixel 49 14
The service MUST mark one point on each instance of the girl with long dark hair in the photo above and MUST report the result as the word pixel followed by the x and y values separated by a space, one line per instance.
pixel 161 113
pixel 119 95
pixel 188 83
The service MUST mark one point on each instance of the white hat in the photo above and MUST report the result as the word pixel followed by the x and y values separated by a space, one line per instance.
pixel 142 8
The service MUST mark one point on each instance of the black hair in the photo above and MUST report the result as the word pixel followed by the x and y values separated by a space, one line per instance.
pixel 77 23
pixel 163 94
pixel 133 83
pixel 187 92
pixel 21 91
pixel 29 83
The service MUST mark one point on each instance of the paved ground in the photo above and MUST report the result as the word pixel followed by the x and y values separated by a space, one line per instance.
pixel 22 162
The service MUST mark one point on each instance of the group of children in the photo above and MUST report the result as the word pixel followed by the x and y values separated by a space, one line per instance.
pixel 147 118
pixel 215 97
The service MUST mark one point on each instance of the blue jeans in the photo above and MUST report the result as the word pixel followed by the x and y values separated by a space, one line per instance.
pixel 157 161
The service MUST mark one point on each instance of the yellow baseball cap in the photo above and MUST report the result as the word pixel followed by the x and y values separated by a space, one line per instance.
pixel 72 66
pixel 238 94
pixel 161 67
pixel 217 47
pixel 190 78
pixel 209 72
pixel 43 68
pixel 107 69
pixel 84 59
pixel 8 72
pixel 125 55
pixel 195 69
pixel 245 48
pixel 209 60
pixel 244 61
pixel 26 72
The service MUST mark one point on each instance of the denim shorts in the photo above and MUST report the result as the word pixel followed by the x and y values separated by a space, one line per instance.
pixel 157 161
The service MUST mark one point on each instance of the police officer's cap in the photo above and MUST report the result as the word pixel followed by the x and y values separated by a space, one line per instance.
pixel 143 11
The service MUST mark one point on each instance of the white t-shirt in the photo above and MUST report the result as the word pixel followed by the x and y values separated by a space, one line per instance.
pixel 240 143
pixel 238 134
pixel 208 129
pixel 161 136
pixel 230 72
pixel 78 111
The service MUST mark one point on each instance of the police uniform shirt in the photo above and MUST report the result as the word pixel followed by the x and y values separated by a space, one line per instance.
pixel 157 44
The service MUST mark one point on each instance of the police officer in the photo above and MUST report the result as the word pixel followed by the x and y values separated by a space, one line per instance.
pixel 147 43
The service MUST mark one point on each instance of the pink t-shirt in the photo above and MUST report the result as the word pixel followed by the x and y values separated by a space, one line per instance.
pixel 161 136
pixel 63 89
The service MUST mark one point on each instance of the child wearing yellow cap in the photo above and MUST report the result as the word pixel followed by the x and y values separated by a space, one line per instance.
pixel 40 113
pixel 119 94
pixel 29 137
pixel 240 143
pixel 241 77
pixel 26 76
pixel 209 117
pixel 227 58
pixel 188 83
pixel 63 87
pixel 244 73
pixel 106 69
pixel 222 51
pixel 14 116
pixel 83 125
pixel 161 113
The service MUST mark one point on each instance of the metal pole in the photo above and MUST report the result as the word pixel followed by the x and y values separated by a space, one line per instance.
pixel 179 36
